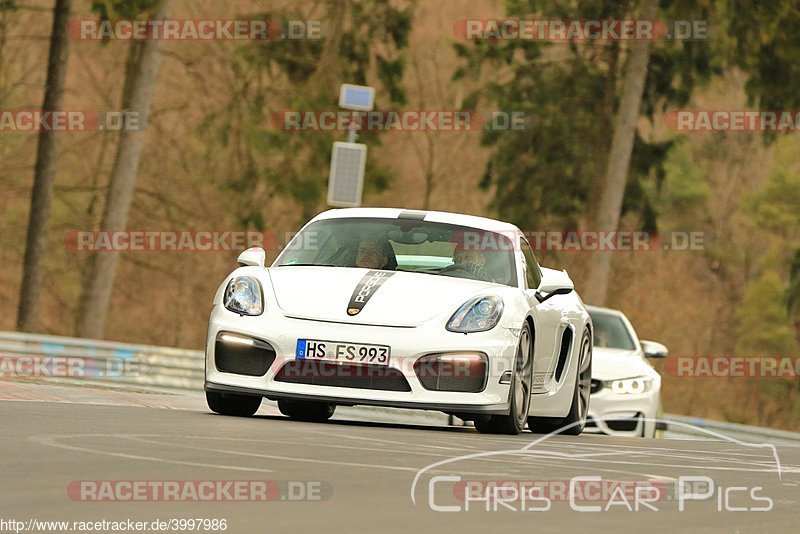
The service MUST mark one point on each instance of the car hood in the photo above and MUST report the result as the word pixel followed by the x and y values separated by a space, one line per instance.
pixel 613 364
pixel 403 299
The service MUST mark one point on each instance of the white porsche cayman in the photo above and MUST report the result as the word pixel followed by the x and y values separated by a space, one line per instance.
pixel 406 309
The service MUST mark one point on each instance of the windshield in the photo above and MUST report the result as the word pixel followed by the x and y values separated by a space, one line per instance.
pixel 404 245
pixel 611 332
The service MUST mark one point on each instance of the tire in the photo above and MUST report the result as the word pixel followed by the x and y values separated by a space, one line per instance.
pixel 232 404
pixel 520 392
pixel 575 421
pixel 312 412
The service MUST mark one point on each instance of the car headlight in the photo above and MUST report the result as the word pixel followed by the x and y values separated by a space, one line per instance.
pixel 630 386
pixel 243 296
pixel 476 315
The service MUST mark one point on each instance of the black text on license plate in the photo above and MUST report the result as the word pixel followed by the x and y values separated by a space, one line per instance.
pixel 340 351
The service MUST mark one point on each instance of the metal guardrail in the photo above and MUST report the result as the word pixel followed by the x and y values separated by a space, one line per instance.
pixel 109 362
pixel 771 435
pixel 101 361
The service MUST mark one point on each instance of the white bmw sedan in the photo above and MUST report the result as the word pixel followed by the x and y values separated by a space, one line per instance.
pixel 626 390
pixel 407 309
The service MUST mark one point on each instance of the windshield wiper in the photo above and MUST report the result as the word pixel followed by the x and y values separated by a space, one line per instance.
pixel 420 271
pixel 308 265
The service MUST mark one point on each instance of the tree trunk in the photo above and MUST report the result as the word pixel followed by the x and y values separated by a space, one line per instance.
pixel 99 283
pixel 44 173
pixel 326 75
pixel 430 173
pixel 619 160
pixel 606 119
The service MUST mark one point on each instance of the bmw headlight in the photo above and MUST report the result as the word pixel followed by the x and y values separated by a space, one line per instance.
pixel 476 315
pixel 243 296
pixel 630 386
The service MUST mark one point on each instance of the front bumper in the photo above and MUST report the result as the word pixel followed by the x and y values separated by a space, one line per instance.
pixel 624 415
pixel 281 333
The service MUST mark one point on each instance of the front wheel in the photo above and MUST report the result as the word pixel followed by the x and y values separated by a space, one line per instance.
pixel 313 412
pixel 575 421
pixel 520 393
pixel 232 404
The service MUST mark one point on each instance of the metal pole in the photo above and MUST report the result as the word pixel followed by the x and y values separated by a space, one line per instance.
pixel 352 130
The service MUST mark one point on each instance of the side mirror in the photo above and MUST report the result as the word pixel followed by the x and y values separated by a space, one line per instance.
pixel 654 350
pixel 552 284
pixel 255 257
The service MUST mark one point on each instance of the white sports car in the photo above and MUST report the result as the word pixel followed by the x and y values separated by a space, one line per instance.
pixel 406 309
pixel 626 390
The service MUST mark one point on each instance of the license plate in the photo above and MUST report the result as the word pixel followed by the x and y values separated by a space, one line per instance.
pixel 341 351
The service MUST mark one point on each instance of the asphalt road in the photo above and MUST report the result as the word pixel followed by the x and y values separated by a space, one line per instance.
pixel 355 475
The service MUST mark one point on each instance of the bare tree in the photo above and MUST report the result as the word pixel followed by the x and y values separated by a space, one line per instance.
pixel 431 88
pixel 606 116
pixel 619 159
pixel 98 286
pixel 44 173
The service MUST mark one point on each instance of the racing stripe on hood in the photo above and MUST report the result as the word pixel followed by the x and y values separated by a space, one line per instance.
pixel 366 287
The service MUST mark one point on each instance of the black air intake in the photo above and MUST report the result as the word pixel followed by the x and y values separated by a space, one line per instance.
pixel 320 373
pixel 234 354
pixel 443 372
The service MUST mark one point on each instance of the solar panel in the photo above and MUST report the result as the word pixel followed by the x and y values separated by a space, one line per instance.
pixel 346 179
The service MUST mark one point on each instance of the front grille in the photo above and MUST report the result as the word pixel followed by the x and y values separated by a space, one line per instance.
pixel 241 359
pixel 436 373
pixel 320 373
pixel 623 425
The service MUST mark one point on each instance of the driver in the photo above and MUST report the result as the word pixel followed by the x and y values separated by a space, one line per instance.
pixel 471 260
pixel 372 254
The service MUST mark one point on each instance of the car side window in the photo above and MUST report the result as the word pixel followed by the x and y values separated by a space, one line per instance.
pixel 533 274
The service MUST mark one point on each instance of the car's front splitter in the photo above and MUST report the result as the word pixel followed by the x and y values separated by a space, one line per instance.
pixel 487 409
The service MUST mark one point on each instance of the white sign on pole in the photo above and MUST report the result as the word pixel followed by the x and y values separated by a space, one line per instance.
pixel 348 160
pixel 346 178
pixel 356 97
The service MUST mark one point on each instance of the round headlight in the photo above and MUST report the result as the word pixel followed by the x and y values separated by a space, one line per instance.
pixel 631 386
pixel 476 315
pixel 243 296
